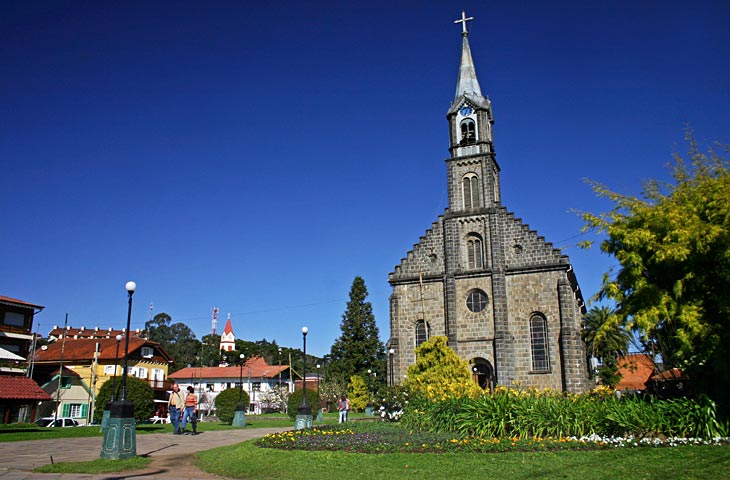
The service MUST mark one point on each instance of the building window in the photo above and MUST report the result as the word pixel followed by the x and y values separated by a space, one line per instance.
pixel 476 301
pixel 110 369
pixel 470 190
pixel 474 252
pixel 74 410
pixel 147 352
pixel 539 343
pixel 468 132
pixel 141 372
pixel 14 319
pixel 65 382
pixel 421 332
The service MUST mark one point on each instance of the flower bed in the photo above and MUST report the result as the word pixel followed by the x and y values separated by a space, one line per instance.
pixel 393 438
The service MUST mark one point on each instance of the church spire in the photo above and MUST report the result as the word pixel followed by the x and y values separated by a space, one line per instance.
pixel 467 83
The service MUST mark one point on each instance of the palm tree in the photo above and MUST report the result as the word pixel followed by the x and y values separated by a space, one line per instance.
pixel 606 339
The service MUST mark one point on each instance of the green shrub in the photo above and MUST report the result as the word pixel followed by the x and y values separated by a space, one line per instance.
pixel 295 399
pixel 540 413
pixel 139 392
pixel 358 394
pixel 227 401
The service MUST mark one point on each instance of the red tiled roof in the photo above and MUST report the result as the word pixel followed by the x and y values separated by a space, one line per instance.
pixel 259 369
pixel 636 369
pixel 20 388
pixel 82 349
pixel 84 332
pixel 673 374
pixel 19 303
pixel 228 328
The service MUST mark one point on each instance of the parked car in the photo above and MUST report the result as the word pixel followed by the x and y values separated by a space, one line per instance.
pixel 58 422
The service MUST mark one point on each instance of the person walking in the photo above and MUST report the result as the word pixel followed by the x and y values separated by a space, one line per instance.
pixel 176 406
pixel 343 406
pixel 191 409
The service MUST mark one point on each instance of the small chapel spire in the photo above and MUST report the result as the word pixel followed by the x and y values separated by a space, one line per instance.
pixel 467 83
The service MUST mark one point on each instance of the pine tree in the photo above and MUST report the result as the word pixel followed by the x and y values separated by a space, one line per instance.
pixel 359 348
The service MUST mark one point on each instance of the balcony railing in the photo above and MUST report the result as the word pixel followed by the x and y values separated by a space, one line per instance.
pixel 160 384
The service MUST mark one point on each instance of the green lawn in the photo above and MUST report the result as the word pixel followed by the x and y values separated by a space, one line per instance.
pixel 17 432
pixel 96 467
pixel 692 462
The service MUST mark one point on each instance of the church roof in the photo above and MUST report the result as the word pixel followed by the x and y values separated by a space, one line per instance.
pixel 467 84
pixel 228 328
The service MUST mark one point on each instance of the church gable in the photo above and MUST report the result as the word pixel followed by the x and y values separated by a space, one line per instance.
pixel 426 257
pixel 524 247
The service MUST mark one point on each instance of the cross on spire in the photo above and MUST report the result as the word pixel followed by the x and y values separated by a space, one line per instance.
pixel 463 21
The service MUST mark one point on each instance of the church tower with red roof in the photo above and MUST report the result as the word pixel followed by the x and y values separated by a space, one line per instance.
pixel 228 339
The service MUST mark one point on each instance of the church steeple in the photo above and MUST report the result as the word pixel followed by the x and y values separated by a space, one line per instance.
pixel 470 114
pixel 473 185
pixel 467 84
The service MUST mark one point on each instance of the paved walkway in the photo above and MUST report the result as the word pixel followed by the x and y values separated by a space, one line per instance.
pixel 171 455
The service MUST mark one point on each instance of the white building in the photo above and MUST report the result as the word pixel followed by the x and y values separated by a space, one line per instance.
pixel 259 380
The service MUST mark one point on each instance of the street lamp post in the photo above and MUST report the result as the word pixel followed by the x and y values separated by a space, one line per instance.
pixel 116 360
pixel 120 432
pixel 318 365
pixel 304 414
pixel 108 406
pixel 239 418
pixel 279 370
pixel 319 407
pixel 391 352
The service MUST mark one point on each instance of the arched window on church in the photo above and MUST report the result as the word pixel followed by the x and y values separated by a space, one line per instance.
pixel 421 332
pixel 468 132
pixel 539 343
pixel 474 252
pixel 470 190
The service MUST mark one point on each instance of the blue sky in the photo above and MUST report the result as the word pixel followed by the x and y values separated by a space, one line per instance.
pixel 257 156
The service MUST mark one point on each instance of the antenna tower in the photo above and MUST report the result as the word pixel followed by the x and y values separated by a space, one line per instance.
pixel 215 319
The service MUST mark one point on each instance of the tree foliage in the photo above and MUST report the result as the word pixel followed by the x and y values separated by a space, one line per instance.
pixel 673 250
pixel 227 401
pixel 606 339
pixel 330 390
pixel 177 338
pixel 139 392
pixel 210 354
pixel 295 399
pixel 359 348
pixel 439 370
pixel 358 393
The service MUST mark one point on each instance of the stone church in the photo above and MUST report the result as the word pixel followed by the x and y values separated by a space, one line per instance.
pixel 506 300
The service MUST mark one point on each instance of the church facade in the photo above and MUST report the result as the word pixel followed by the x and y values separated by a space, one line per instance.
pixel 506 300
